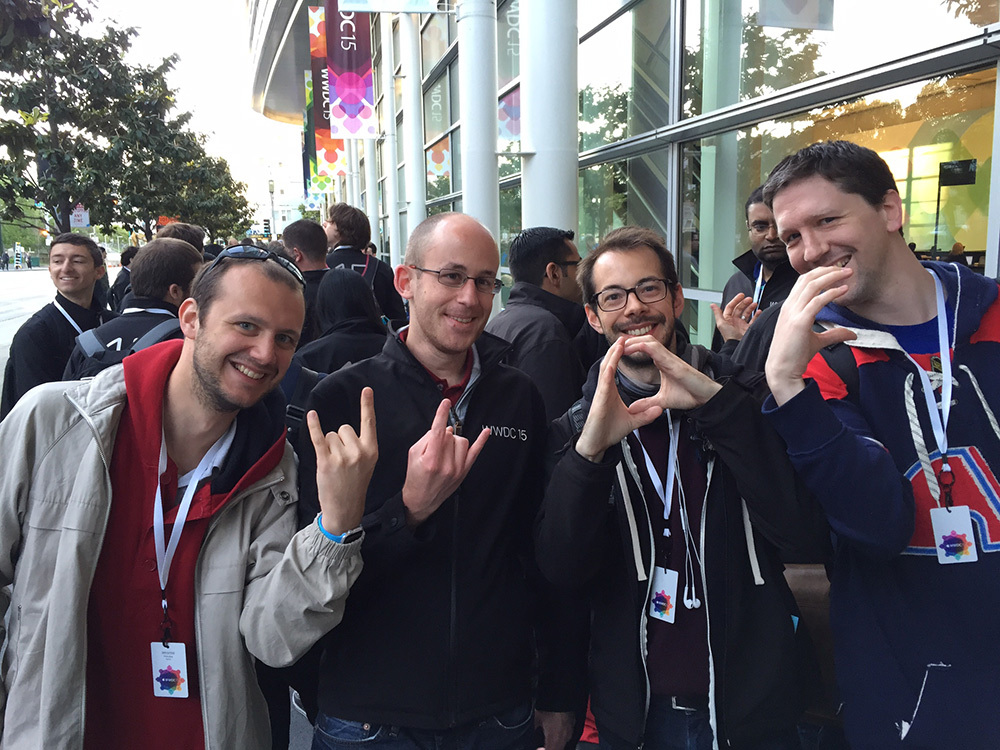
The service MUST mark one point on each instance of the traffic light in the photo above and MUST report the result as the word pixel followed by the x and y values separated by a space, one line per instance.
pixel 267 227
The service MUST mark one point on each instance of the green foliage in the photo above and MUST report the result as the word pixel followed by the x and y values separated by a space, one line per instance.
pixel 80 125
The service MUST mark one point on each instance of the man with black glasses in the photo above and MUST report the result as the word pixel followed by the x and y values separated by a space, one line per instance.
pixel 435 648
pixel 693 629
pixel 147 529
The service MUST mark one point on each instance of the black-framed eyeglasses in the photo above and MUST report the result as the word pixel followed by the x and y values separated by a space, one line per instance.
pixel 457 279
pixel 248 252
pixel 646 291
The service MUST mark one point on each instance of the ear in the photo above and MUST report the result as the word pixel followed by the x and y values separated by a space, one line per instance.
pixel 593 319
pixel 892 207
pixel 553 272
pixel 678 300
pixel 297 255
pixel 188 316
pixel 403 280
pixel 176 295
pixel 101 270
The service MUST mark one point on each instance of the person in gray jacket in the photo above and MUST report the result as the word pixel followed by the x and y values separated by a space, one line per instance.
pixel 147 531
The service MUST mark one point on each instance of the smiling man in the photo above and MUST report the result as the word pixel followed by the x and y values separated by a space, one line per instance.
pixel 147 529
pixel 899 440
pixel 693 631
pixel 436 644
pixel 42 346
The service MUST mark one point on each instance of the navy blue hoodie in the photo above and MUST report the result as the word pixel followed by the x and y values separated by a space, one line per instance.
pixel 917 643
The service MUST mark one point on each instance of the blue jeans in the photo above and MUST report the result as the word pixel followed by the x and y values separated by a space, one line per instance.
pixel 508 730
pixel 669 728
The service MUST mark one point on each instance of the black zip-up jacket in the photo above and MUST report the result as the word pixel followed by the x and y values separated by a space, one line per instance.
pixel 585 538
pixel 541 327
pixel 437 631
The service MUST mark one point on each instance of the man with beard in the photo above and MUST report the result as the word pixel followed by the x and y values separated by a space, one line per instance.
pixel 147 529
pixel 763 276
pixel 693 631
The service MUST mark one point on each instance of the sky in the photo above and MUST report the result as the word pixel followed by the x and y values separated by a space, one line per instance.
pixel 212 80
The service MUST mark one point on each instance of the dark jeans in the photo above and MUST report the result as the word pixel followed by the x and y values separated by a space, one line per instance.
pixel 669 728
pixel 509 730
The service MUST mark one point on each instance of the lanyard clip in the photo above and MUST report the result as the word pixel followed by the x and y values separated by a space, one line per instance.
pixel 165 624
pixel 946 478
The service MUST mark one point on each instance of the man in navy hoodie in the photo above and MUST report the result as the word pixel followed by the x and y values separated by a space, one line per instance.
pixel 897 444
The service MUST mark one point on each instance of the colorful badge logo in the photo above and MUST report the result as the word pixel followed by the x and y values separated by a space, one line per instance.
pixel 661 604
pixel 170 680
pixel 955 545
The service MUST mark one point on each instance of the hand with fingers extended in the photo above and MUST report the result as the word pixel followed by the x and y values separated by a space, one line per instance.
pixel 681 385
pixel 737 316
pixel 609 419
pixel 344 465
pixel 795 342
pixel 436 465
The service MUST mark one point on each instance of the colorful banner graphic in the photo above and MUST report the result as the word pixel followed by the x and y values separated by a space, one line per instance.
pixel 797 14
pixel 439 159
pixel 509 116
pixel 351 80
pixel 330 152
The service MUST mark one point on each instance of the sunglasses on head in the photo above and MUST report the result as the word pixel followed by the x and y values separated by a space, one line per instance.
pixel 248 252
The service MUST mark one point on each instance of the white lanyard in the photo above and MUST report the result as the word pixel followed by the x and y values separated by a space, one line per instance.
pixel 159 310
pixel 939 418
pixel 758 291
pixel 165 554
pixel 654 476
pixel 68 317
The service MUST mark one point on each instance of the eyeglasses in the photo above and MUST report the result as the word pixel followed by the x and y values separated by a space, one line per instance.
pixel 457 279
pixel 246 252
pixel 566 262
pixel 763 227
pixel 646 291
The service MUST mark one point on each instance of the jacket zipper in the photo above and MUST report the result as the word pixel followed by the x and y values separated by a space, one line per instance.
pixel 212 524
pixel 93 569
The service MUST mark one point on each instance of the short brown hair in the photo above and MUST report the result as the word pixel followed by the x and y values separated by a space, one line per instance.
pixel 193 235
pixel 80 240
pixel 205 288
pixel 352 225
pixel 162 262
pixel 625 238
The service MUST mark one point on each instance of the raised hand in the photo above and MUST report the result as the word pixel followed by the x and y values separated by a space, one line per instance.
pixel 681 385
pixel 737 316
pixel 344 466
pixel 436 465
pixel 795 342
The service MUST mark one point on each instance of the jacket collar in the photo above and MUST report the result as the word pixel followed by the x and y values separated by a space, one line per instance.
pixel 747 265
pixel 490 351
pixel 570 314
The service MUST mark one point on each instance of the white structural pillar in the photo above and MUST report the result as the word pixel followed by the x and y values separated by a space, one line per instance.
pixel 549 114
pixel 371 190
pixel 413 122
pixel 356 172
pixel 477 91
pixel 390 155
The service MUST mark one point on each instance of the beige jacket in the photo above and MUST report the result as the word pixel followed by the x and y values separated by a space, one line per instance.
pixel 262 590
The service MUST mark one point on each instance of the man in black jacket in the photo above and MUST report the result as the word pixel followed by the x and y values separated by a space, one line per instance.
pixel 123 281
pixel 162 273
pixel 348 234
pixel 435 648
pixel 694 632
pixel 41 347
pixel 544 315
pixel 305 241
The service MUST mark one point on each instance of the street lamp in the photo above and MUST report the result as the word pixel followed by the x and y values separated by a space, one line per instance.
pixel 270 189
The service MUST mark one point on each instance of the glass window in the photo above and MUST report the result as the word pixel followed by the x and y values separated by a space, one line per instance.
pixel 914 128
pixel 591 12
pixel 436 108
pixel 748 48
pixel 510 225
pixel 456 160
pixel 455 97
pixel 508 42
pixel 624 75
pixel 434 40
pixel 509 133
pixel 439 169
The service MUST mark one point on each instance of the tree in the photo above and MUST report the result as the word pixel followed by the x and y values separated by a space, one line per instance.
pixel 83 126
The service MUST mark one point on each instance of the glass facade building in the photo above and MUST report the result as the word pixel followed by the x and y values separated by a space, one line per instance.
pixel 686 105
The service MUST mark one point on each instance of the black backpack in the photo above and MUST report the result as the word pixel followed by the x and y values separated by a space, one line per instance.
pixel 101 355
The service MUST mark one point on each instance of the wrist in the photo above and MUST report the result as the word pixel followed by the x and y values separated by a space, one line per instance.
pixel 337 532
pixel 785 389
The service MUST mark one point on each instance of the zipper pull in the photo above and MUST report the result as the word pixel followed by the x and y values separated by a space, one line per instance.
pixel 456 423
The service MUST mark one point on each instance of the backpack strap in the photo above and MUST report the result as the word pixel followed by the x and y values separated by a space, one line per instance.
pixel 156 334
pixel 295 410
pixel 840 359
pixel 89 343
pixel 576 416
pixel 370 269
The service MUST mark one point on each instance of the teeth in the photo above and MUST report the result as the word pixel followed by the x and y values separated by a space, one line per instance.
pixel 843 263
pixel 462 320
pixel 641 331
pixel 249 373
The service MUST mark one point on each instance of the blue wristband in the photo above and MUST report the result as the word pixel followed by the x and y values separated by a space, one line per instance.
pixel 338 538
